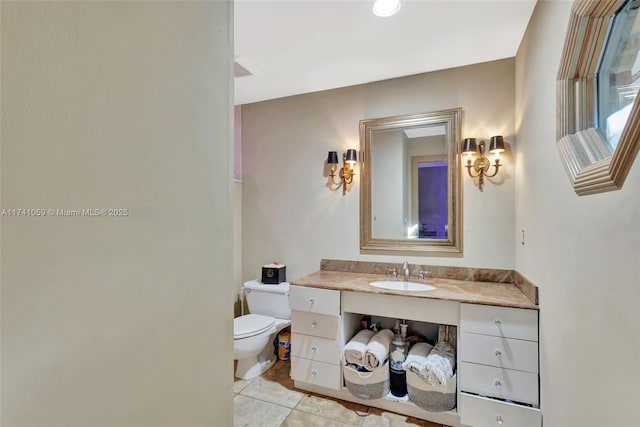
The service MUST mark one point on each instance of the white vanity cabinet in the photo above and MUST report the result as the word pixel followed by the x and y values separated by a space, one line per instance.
pixel 498 368
pixel 315 336
pixel 497 352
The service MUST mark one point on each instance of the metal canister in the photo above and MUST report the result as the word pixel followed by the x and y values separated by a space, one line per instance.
pixel 397 375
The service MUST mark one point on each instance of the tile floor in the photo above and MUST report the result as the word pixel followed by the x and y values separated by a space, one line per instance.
pixel 271 401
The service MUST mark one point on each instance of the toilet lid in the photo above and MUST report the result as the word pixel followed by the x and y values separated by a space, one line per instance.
pixel 251 324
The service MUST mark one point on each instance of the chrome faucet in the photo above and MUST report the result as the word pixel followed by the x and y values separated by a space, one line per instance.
pixel 406 271
pixel 422 274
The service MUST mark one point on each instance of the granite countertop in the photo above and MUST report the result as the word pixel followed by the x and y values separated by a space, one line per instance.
pixel 486 293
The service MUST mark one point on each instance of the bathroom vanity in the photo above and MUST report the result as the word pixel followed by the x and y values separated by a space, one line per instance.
pixel 497 365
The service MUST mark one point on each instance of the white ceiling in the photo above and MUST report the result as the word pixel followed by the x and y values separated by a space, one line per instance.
pixel 301 46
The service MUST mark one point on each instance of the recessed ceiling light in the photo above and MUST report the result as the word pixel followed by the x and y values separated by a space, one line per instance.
pixel 385 8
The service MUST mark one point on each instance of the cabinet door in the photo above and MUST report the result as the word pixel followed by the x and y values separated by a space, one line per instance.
pixel 318 325
pixel 500 352
pixel 499 321
pixel 502 383
pixel 314 372
pixel 314 300
pixel 481 412
pixel 315 348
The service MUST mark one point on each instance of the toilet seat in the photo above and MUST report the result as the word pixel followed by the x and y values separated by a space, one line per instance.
pixel 251 324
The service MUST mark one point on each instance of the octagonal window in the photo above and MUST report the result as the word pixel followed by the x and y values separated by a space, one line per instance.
pixel 598 121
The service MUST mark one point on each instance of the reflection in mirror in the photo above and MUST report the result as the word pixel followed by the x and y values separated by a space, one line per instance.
pixel 410 194
pixel 429 211
pixel 413 159
pixel 618 76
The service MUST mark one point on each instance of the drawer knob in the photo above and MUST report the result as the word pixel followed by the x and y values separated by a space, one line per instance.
pixel 497 321
pixel 314 373
pixel 499 419
pixel 497 383
pixel 314 324
pixel 314 349
pixel 312 301
pixel 497 352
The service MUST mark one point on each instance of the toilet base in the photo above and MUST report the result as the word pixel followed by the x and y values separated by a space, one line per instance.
pixel 251 367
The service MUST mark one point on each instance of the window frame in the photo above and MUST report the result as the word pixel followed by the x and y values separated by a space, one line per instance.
pixel 590 165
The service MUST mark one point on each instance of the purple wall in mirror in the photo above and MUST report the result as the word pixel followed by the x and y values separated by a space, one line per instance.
pixel 432 194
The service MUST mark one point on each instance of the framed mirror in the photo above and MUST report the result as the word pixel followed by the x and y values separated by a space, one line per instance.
pixel 598 128
pixel 410 197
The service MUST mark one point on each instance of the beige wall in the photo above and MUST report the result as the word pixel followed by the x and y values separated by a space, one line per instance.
pixel 237 209
pixel 117 321
pixel 237 251
pixel 289 215
pixel 387 203
pixel 584 252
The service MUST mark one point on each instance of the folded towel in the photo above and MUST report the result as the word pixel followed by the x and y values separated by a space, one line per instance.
pixel 355 349
pixel 378 350
pixel 440 364
pixel 417 357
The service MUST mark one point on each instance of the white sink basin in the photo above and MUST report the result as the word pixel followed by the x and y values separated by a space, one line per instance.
pixel 399 285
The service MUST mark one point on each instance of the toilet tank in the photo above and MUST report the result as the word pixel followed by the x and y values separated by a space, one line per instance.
pixel 268 300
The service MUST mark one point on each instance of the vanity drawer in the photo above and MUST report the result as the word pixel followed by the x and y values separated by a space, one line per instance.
pixel 480 411
pixel 314 300
pixel 315 348
pixel 314 372
pixel 499 321
pixel 502 383
pixel 500 352
pixel 317 325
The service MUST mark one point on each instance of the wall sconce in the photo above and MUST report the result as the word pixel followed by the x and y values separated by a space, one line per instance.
pixel 346 173
pixel 481 165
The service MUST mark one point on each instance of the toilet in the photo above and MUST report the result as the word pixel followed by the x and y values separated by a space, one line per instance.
pixel 254 334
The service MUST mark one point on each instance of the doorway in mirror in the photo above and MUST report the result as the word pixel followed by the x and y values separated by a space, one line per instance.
pixel 432 200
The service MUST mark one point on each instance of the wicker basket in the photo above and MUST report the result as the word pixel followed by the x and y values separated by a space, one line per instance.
pixel 367 385
pixel 431 398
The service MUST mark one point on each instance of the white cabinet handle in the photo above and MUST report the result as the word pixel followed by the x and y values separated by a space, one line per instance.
pixel 314 324
pixel 497 383
pixel 499 419
pixel 497 321
pixel 314 349
pixel 497 352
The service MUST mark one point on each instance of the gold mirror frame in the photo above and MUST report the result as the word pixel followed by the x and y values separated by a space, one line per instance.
pixel 452 119
pixel 591 167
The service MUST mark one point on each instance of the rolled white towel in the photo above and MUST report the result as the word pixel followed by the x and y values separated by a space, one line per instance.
pixel 417 357
pixel 354 351
pixel 378 350
pixel 440 364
